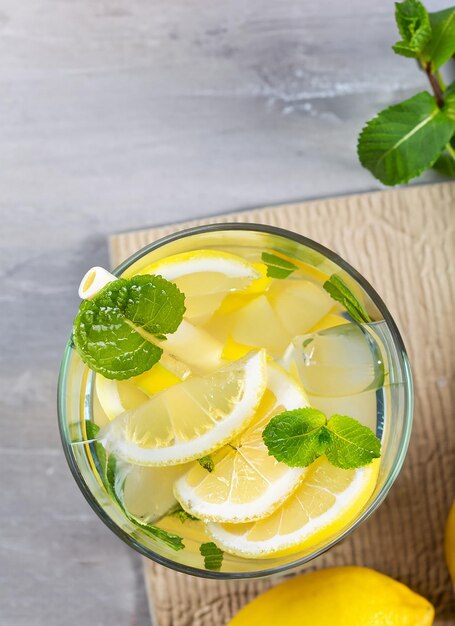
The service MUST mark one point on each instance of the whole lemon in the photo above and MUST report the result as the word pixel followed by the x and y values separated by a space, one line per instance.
pixel 338 596
pixel 449 543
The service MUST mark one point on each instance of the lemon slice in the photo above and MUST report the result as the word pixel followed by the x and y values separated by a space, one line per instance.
pixel 326 501
pixel 246 483
pixel 192 418
pixel 206 277
pixel 118 396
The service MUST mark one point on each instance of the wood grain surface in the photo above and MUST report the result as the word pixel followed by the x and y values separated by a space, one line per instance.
pixel 403 242
pixel 120 114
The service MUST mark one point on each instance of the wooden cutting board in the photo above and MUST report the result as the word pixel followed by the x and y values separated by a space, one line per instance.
pixel 402 241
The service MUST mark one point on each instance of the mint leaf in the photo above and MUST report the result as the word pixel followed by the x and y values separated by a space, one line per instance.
pixel 441 46
pixel 445 165
pixel 339 291
pixel 108 471
pixel 414 25
pixel 109 330
pixel 296 437
pixel 351 444
pixel 299 437
pixel 99 455
pixel 213 556
pixel 170 539
pixel 449 101
pixel 180 513
pixel 276 266
pixel 405 139
pixel 207 463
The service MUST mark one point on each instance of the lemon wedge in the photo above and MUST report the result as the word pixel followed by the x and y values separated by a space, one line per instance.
pixel 191 419
pixel 118 396
pixel 326 501
pixel 206 277
pixel 246 483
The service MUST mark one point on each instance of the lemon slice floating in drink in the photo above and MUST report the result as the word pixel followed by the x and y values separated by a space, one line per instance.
pixel 326 501
pixel 193 418
pixel 206 277
pixel 118 396
pixel 246 482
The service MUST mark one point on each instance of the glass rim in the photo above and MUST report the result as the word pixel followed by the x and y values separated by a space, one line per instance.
pixel 402 447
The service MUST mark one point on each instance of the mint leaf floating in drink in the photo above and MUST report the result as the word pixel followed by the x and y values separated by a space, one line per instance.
pixel 213 556
pixel 339 291
pixel 180 513
pixel 301 436
pixel 276 266
pixel 115 331
pixel 170 539
pixel 296 437
pixel 351 444
pixel 207 463
pixel 113 481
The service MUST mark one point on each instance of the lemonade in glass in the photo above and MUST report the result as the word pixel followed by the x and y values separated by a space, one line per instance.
pixel 234 400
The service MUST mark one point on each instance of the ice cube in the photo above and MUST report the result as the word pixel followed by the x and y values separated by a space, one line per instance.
pixel 340 361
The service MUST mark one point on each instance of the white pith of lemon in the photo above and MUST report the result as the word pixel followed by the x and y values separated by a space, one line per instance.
pixel 190 419
pixel 206 277
pixel 246 483
pixel 326 501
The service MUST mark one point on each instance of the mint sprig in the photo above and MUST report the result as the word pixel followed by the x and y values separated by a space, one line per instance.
pixel 109 475
pixel 213 556
pixel 339 291
pixel 407 138
pixel 301 436
pixel 276 266
pixel 114 331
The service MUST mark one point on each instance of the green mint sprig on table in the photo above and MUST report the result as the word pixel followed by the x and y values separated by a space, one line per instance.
pixel 213 556
pixel 114 331
pixel 207 463
pixel 276 266
pixel 339 291
pixel 405 139
pixel 301 436
pixel 108 472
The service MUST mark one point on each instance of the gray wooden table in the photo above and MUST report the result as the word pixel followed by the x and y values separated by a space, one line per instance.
pixel 117 114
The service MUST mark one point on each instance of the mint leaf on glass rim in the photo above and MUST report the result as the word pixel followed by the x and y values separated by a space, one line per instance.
pixel 339 291
pixel 213 556
pixel 296 437
pixel 405 139
pixel 351 444
pixel 276 266
pixel 114 331
pixel 414 25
